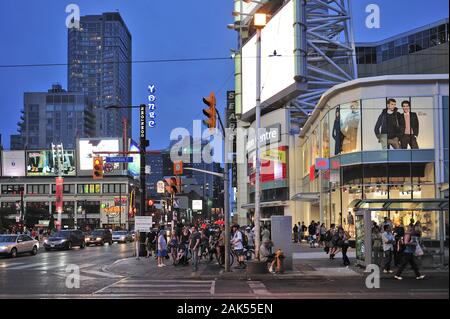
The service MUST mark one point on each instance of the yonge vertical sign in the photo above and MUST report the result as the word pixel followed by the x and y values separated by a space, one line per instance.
pixel 151 105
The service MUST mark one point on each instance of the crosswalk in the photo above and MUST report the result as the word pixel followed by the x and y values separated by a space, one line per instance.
pixel 60 269
pixel 158 288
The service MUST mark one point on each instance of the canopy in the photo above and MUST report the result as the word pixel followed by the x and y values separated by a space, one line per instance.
pixel 425 204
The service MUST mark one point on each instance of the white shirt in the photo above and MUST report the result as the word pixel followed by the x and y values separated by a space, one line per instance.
pixel 237 241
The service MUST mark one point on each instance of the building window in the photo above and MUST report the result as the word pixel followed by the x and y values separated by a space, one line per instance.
pixel 37 189
pixel 89 189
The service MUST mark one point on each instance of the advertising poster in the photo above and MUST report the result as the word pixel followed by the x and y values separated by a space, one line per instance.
pixel 273 165
pixel 42 163
pixel 13 163
pixel 134 167
pixel 87 149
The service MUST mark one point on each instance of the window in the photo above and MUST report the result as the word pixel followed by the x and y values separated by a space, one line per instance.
pixel 89 189
pixel 67 189
pixel 11 189
pixel 37 189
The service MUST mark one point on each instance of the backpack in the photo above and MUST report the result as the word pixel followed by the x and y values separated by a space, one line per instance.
pixel 328 236
pixel 244 239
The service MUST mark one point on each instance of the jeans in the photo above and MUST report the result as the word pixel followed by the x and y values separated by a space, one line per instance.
pixel 377 255
pixel 344 255
pixel 410 140
pixel 387 260
pixel 408 258
pixel 194 259
pixel 388 142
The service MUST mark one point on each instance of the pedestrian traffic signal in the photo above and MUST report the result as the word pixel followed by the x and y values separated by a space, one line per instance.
pixel 97 172
pixel 173 185
pixel 210 112
pixel 150 202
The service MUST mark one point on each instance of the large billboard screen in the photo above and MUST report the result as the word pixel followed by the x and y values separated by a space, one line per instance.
pixel 13 163
pixel 86 153
pixel 134 168
pixel 42 163
pixel 277 61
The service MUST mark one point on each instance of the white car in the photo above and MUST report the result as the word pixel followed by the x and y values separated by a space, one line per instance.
pixel 12 245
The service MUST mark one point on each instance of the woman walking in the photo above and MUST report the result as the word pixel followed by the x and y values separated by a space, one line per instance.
pixel 377 245
pixel 388 248
pixel 409 258
pixel 162 249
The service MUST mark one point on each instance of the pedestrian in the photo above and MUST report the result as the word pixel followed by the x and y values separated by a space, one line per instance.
pixel 388 248
pixel 386 222
pixel 329 244
pixel 295 231
pixel 265 234
pixel 408 257
pixel 150 242
pixel 266 256
pixel 221 246
pixel 311 234
pixel 377 245
pixel 238 247
pixel 303 230
pixel 173 246
pixel 322 232
pixel 343 244
pixel 194 245
pixel 250 238
pixel 162 249
pixel 399 233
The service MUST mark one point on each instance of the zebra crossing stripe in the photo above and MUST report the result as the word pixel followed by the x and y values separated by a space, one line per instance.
pixel 258 288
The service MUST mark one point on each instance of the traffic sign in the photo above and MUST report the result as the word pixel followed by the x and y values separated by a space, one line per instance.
pixel 119 159
pixel 108 168
pixel 143 223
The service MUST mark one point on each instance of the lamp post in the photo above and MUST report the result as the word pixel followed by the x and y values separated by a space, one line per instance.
pixel 260 20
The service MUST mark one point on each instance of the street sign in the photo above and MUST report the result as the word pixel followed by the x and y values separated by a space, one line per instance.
pixel 143 223
pixel 108 168
pixel 178 168
pixel 119 159
pixel 160 187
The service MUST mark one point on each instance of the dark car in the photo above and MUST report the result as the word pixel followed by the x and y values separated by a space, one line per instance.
pixel 99 237
pixel 65 239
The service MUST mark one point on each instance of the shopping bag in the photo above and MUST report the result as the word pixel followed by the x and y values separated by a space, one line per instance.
pixel 419 251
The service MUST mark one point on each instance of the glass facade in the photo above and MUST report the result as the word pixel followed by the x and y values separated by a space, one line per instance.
pixel 378 149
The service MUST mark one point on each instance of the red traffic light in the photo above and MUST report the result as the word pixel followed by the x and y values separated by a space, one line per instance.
pixel 150 202
pixel 210 112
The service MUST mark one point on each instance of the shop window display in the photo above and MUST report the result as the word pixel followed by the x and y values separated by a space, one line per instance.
pixel 350 127
pixel 421 123
pixel 325 133
pixel 336 136
pixel 370 112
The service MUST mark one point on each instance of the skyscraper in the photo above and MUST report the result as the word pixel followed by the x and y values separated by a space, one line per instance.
pixel 56 116
pixel 99 56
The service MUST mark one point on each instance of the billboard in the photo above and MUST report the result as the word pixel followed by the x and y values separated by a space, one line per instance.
pixel 42 163
pixel 277 61
pixel 134 168
pixel 273 167
pixel 86 149
pixel 13 163
pixel 197 204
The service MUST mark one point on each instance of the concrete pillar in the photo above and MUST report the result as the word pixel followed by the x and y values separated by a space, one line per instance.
pixel 282 238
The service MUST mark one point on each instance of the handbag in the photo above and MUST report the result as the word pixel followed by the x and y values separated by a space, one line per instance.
pixel 419 251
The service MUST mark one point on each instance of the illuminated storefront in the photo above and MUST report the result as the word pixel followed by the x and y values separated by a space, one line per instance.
pixel 384 138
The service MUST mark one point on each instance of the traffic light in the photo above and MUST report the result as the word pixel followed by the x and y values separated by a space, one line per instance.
pixel 150 203
pixel 178 168
pixel 210 112
pixel 173 185
pixel 97 172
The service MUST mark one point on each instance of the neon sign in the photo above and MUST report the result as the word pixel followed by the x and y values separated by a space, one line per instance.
pixel 152 105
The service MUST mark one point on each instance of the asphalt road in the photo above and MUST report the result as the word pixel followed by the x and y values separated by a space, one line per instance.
pixel 45 276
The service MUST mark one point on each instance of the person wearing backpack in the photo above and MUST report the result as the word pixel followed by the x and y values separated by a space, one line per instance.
pixel 408 257
pixel 377 245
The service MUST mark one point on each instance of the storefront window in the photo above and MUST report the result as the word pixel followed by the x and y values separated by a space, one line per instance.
pixel 334 122
pixel 421 122
pixel 350 127
pixel 315 148
pixel 325 133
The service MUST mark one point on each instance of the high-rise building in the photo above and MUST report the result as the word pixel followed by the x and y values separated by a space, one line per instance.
pixel 99 64
pixel 419 51
pixel 56 116
pixel 155 161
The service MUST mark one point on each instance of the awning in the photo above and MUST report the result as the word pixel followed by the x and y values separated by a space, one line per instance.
pixel 265 204
pixel 422 204
pixel 306 197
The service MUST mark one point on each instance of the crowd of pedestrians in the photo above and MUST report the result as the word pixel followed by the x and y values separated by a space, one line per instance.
pixel 392 247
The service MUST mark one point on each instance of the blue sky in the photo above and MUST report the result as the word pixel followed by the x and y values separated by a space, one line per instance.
pixel 34 32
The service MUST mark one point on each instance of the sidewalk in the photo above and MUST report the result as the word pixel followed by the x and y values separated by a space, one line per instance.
pixel 308 263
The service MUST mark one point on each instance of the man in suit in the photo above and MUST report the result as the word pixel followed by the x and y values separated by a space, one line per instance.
pixel 410 122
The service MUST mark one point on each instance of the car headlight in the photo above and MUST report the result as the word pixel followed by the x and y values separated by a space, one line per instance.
pixel 3 247
pixel 99 238
pixel 122 237
pixel 46 241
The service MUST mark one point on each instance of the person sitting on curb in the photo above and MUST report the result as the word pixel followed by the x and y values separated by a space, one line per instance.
pixel 266 256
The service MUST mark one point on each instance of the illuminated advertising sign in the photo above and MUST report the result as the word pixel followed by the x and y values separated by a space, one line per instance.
pixel 273 166
pixel 134 167
pixel 277 61
pixel 197 205
pixel 42 163
pixel 151 105
pixel 87 149
pixel 13 163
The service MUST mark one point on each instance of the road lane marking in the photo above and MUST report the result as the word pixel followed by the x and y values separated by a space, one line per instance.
pixel 28 266
pixel 101 273
pixel 258 288
pixel 10 265
pixel 101 290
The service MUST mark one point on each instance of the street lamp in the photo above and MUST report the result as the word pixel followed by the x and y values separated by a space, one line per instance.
pixel 260 21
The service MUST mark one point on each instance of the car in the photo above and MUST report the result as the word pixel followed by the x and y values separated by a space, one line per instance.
pixel 65 239
pixel 12 245
pixel 99 237
pixel 122 236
